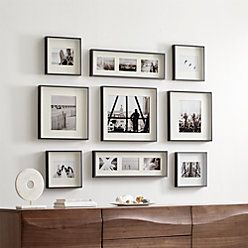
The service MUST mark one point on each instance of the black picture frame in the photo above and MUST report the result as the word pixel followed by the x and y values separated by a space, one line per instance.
pixel 151 117
pixel 189 65
pixel 71 171
pixel 195 174
pixel 45 130
pixel 174 133
pixel 53 68
pixel 155 163
pixel 143 68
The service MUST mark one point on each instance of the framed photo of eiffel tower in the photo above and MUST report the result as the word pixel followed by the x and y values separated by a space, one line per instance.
pixel 128 114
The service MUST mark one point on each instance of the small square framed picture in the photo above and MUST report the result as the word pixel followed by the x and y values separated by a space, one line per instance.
pixel 63 112
pixel 63 56
pixel 64 169
pixel 188 63
pixel 190 116
pixel 190 169
pixel 129 163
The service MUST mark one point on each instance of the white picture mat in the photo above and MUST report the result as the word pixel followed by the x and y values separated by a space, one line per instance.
pixel 62 43
pixel 138 56
pixel 140 156
pixel 54 158
pixel 184 52
pixel 81 112
pixel 206 115
pixel 192 157
pixel 110 91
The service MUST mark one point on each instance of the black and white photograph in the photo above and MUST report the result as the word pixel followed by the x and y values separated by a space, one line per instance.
pixel 190 116
pixel 105 63
pixel 129 163
pixel 63 56
pixel 63 112
pixel 64 169
pixel 127 64
pixel 190 169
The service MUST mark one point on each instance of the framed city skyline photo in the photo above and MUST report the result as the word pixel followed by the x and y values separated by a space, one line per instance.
pixel 188 63
pixel 64 169
pixel 113 63
pixel 190 116
pixel 190 169
pixel 63 56
pixel 128 114
pixel 63 112
pixel 129 163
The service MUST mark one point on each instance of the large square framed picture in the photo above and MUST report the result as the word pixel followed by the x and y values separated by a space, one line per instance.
pixel 128 114
pixel 63 56
pixel 190 169
pixel 129 163
pixel 63 112
pixel 113 63
pixel 190 116
pixel 64 169
pixel 188 62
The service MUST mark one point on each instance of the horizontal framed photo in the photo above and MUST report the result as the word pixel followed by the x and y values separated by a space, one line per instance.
pixel 188 63
pixel 129 163
pixel 191 169
pixel 128 114
pixel 63 169
pixel 63 112
pixel 113 63
pixel 62 56
pixel 190 116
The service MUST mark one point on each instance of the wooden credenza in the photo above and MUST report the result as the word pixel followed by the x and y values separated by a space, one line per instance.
pixel 222 226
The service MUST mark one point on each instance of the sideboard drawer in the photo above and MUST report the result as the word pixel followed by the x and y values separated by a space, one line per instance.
pixel 138 222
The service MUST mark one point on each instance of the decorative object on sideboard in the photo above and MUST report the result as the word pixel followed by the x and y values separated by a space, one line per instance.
pixel 63 112
pixel 69 203
pixel 63 169
pixel 188 63
pixel 190 116
pixel 129 200
pixel 129 163
pixel 128 114
pixel 63 56
pixel 190 169
pixel 113 63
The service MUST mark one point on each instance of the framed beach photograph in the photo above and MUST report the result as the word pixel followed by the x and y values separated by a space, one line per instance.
pixel 64 169
pixel 63 112
pixel 190 116
pixel 190 169
pixel 63 56
pixel 113 63
pixel 128 114
pixel 188 63
pixel 129 163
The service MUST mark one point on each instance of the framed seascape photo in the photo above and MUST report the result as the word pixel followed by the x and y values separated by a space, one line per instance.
pixel 190 116
pixel 188 63
pixel 63 112
pixel 129 163
pixel 128 114
pixel 191 169
pixel 111 63
pixel 64 169
pixel 63 56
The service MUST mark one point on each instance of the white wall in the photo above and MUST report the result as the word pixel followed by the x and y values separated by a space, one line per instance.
pixel 142 25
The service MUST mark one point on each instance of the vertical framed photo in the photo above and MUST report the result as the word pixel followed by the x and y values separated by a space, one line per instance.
pixel 113 63
pixel 191 169
pixel 64 169
pixel 128 114
pixel 129 163
pixel 63 56
pixel 190 116
pixel 63 112
pixel 188 63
